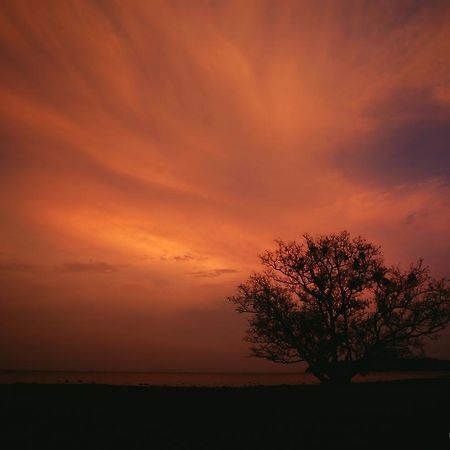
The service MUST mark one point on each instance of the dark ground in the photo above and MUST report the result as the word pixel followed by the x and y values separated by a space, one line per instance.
pixel 402 415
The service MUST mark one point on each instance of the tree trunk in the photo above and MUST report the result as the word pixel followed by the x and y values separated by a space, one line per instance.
pixel 339 375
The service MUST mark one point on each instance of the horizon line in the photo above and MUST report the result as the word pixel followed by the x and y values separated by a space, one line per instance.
pixel 153 372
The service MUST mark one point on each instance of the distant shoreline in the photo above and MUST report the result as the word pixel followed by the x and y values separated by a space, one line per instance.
pixel 397 365
pixel 197 379
pixel 391 383
pixel 152 372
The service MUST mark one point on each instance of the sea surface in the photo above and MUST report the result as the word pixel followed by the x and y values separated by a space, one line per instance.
pixel 193 379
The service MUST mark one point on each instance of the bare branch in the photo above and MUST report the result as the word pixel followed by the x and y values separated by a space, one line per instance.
pixel 331 301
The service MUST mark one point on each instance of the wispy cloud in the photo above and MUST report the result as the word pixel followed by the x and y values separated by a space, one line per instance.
pixel 213 273
pixel 68 267
pixel 14 266
pixel 91 266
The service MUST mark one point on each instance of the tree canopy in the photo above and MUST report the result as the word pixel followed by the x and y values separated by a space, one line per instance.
pixel 332 302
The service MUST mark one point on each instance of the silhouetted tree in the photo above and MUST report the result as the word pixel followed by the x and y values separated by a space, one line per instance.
pixel 333 303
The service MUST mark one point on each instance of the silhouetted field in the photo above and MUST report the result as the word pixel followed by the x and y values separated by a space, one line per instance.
pixel 403 415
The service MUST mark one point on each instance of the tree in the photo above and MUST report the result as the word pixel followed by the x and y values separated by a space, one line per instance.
pixel 333 303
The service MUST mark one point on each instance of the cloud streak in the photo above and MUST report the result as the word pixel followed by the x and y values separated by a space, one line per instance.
pixel 213 273
pixel 89 267
pixel 178 139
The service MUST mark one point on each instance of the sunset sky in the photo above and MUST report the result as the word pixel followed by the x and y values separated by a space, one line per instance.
pixel 150 150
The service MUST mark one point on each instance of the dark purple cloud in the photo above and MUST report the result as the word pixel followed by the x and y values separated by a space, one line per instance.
pixel 410 142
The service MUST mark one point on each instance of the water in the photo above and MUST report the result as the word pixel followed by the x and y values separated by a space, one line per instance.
pixel 192 379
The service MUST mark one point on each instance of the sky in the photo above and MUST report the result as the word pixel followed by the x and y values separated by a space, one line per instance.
pixel 150 150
